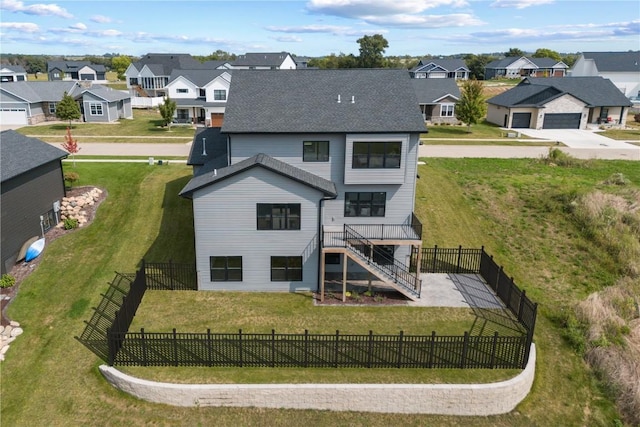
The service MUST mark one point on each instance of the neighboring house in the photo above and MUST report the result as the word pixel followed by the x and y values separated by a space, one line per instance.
pixel 200 95
pixel 559 103
pixel 265 61
pixel 622 68
pixel 30 103
pixel 12 73
pixel 514 67
pixel 437 99
pixel 32 188
pixel 76 70
pixel 301 61
pixel 150 75
pixel 317 176
pixel 440 69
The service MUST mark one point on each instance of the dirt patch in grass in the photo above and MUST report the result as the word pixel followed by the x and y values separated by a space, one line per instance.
pixel 23 269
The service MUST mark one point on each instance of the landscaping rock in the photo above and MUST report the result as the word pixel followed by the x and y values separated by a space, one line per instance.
pixel 16 332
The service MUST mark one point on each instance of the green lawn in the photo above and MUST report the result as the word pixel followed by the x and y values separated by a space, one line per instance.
pixel 517 209
pixel 145 123
pixel 481 130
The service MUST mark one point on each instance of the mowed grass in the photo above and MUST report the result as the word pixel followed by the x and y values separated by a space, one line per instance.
pixel 517 209
pixel 145 123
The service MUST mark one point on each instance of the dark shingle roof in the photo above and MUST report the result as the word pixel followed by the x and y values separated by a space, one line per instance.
pixel 199 77
pixel 615 61
pixel 68 66
pixel 594 91
pixel 162 64
pixel 14 68
pixel 307 101
pixel 264 59
pixel 430 90
pixel 447 64
pixel 215 147
pixel 261 160
pixel 20 154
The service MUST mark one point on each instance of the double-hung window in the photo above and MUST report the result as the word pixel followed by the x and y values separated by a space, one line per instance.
pixel 376 155
pixel 219 94
pixel 286 268
pixel 447 110
pixel 278 216
pixel 226 268
pixel 365 204
pixel 315 151
pixel 52 107
pixel 95 109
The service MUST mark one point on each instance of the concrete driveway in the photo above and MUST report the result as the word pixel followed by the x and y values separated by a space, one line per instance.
pixel 577 138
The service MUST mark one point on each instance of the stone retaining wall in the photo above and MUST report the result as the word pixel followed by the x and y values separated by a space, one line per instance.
pixel 444 399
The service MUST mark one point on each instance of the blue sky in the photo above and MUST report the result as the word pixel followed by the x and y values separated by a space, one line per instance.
pixel 316 27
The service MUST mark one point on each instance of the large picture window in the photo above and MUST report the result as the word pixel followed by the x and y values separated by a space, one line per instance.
pixel 447 110
pixel 364 204
pixel 376 155
pixel 278 216
pixel 226 268
pixel 315 151
pixel 286 268
pixel 219 94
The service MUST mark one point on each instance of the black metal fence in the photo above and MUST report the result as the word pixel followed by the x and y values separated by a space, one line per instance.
pixel 321 350
pixel 107 333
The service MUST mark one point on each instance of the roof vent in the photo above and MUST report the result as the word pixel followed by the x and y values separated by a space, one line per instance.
pixel 339 99
pixel 204 147
pixel 215 172
pixel 353 99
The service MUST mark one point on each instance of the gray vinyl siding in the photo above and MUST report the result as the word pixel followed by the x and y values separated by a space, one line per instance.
pixel 226 224
pixel 288 148
pixel 24 199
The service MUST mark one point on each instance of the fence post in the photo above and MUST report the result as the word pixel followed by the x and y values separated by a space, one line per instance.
pixel 465 346
pixel 399 364
pixel 175 347
pixel 306 348
pixel 493 350
pixel 143 267
pixel 529 338
pixel 459 256
pixel 240 345
pixel 273 348
pixel 435 255
pixel 335 355
pixel 523 295
pixel 144 348
pixel 509 289
pixel 209 349
pixel 171 275
pixel 112 347
pixel 432 348
pixel 370 349
pixel 498 284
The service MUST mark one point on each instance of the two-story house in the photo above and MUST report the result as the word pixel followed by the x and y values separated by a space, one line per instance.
pixel 622 68
pixel 12 73
pixel 200 95
pixel 440 69
pixel 76 70
pixel 525 66
pixel 265 61
pixel 316 175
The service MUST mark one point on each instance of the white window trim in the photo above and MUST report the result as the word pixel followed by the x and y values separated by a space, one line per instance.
pixel 96 104
pixel 443 109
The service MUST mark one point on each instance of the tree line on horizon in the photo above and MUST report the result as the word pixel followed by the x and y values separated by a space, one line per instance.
pixel 371 55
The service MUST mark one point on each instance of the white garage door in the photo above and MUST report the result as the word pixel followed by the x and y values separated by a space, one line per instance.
pixel 13 116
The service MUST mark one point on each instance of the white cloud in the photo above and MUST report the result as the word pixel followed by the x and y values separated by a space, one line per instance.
pixel 359 8
pixel 26 27
pixel 520 4
pixel 425 21
pixel 78 27
pixel 35 9
pixel 307 29
pixel 288 39
pixel 110 33
pixel 101 19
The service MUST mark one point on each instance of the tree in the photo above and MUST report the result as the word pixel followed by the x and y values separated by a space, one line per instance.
pixel 547 53
pixel 476 64
pixel 167 110
pixel 120 65
pixel 67 109
pixel 371 50
pixel 514 51
pixel 71 145
pixel 472 106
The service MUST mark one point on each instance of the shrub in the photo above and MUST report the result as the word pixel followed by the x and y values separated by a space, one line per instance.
pixel 70 223
pixel 617 179
pixel 71 177
pixel 637 118
pixel 7 280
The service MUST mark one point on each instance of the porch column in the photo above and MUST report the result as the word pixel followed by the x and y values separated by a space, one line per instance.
pixel 418 261
pixel 322 267
pixel 344 277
